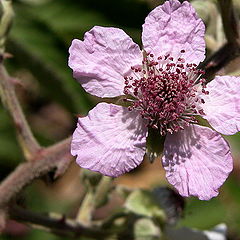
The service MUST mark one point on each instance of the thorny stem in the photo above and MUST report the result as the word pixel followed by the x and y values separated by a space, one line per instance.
pixel 28 143
pixel 51 158
pixel 26 139
pixel 44 160
pixel 47 160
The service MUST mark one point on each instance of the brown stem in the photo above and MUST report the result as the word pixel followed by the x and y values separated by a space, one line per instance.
pixel 231 49
pixel 57 224
pixel 26 139
pixel 230 21
pixel 219 59
pixel 47 159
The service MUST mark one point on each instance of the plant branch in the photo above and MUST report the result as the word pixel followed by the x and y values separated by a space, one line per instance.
pixel 6 22
pixel 219 59
pixel 231 49
pixel 26 139
pixel 47 159
pixel 95 197
pixel 102 191
pixel 84 215
pixel 57 224
pixel 230 21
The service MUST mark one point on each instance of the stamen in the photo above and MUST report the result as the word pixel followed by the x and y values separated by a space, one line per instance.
pixel 165 91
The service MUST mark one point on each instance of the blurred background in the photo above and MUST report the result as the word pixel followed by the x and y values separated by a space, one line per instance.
pixel 38 44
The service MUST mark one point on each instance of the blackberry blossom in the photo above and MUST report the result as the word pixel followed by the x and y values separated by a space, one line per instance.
pixel 164 92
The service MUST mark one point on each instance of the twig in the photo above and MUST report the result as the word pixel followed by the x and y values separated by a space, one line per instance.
pixel 26 139
pixel 43 159
pixel 231 49
pixel 58 224
pixel 48 159
pixel 6 22
pixel 219 59
pixel 84 215
pixel 102 191
pixel 95 197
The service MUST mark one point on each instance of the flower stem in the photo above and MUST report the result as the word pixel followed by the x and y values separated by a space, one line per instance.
pixel 84 215
pixel 94 198
pixel 6 22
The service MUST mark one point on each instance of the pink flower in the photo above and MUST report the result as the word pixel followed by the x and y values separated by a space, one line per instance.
pixel 163 90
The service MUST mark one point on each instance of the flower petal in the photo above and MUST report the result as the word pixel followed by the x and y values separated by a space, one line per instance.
pixel 222 105
pixel 110 140
pixel 197 161
pixel 101 60
pixel 173 27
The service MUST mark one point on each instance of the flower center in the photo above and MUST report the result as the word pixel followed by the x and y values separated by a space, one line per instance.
pixel 166 92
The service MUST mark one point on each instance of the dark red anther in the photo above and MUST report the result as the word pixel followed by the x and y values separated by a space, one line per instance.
pixel 165 95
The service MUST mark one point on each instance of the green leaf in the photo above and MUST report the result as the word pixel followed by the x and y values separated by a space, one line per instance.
pixel 145 229
pixel 141 202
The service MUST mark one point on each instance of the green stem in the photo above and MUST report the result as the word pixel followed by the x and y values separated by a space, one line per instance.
pixel 6 22
pixel 94 198
pixel 102 191
pixel 84 215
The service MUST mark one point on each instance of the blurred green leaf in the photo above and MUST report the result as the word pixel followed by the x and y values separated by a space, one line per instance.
pixel 142 202
pixel 37 47
pixel 203 214
pixel 145 229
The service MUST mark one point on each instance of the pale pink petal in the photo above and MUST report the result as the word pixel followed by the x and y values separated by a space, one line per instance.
pixel 101 60
pixel 222 105
pixel 110 140
pixel 197 161
pixel 173 27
